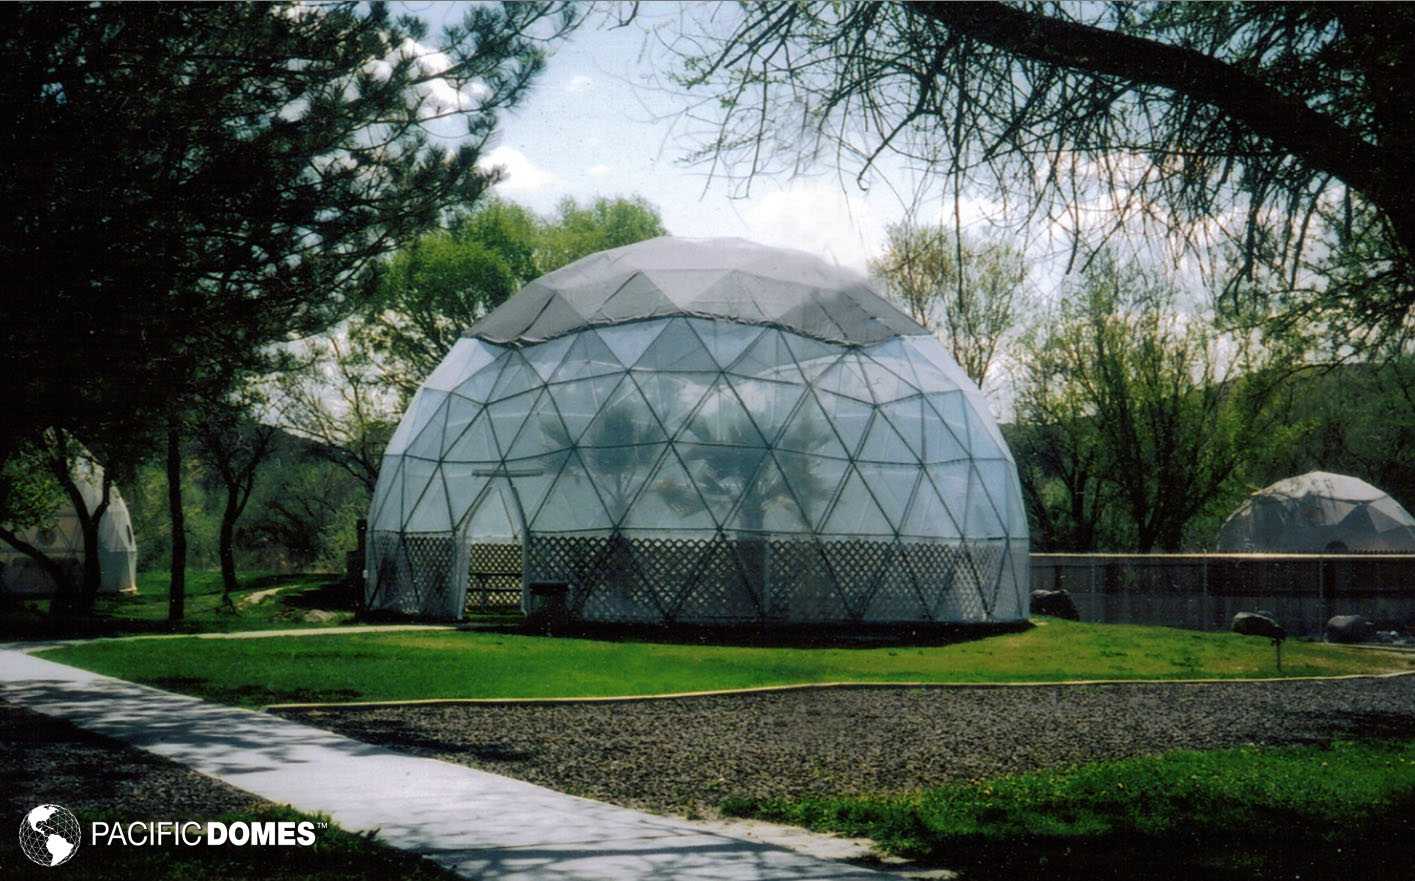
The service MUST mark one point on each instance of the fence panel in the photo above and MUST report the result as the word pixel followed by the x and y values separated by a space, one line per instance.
pixel 1204 591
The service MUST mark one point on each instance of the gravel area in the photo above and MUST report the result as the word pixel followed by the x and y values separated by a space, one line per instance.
pixel 686 755
pixel 45 760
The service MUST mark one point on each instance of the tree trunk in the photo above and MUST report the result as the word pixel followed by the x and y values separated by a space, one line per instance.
pixel 177 589
pixel 226 546
pixel 93 573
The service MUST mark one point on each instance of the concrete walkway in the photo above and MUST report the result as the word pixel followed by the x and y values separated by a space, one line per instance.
pixel 477 824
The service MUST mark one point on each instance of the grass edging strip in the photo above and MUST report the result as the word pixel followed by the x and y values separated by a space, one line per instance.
pixel 766 689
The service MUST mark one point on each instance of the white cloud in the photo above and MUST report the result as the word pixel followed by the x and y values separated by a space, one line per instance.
pixel 579 84
pixel 440 94
pixel 599 170
pixel 522 175
pixel 818 218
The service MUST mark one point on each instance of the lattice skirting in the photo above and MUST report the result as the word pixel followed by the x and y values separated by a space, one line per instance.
pixel 420 575
pixel 745 580
pixel 723 580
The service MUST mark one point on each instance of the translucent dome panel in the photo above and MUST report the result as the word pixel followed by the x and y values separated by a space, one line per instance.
pixel 691 469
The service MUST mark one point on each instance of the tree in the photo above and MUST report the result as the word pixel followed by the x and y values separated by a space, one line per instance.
pixel 62 470
pixel 1283 128
pixel 31 497
pixel 577 230
pixel 194 183
pixel 338 399
pixel 1150 405
pixel 970 288
pixel 234 444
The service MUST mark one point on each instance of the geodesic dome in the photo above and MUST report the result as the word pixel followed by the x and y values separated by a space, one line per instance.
pixel 1319 512
pixel 703 432
pixel 63 541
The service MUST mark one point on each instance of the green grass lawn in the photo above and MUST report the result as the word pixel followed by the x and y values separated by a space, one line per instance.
pixel 1343 810
pixel 293 600
pixel 451 664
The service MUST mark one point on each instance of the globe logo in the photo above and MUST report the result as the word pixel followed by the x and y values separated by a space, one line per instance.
pixel 49 835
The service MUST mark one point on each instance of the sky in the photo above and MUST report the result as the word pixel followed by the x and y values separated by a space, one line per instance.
pixel 602 121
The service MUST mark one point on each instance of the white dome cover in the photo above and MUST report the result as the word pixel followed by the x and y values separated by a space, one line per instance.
pixel 63 541
pixel 691 469
pixel 1317 512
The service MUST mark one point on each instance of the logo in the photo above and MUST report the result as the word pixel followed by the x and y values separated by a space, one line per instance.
pixel 49 835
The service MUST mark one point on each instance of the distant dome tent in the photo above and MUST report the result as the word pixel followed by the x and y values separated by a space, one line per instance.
pixel 63 541
pixel 702 432
pixel 1319 512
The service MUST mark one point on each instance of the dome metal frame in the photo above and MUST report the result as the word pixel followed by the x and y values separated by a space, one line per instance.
pixel 683 469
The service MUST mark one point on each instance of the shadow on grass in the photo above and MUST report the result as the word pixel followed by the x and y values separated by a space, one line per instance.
pixel 782 635
pixel 29 619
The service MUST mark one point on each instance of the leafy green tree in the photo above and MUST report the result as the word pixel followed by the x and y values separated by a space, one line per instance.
pixel 578 230
pixel 1152 410
pixel 433 291
pixel 1284 128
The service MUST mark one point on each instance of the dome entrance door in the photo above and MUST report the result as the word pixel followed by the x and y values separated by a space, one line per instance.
pixel 495 540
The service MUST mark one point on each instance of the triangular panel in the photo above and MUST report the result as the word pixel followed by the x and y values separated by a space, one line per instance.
pixel 981 519
pixel 768 403
pixel 670 499
pixel 846 377
pixel 672 397
pixel 677 348
pixel 885 384
pixel 508 415
pixel 624 419
pixel 725 340
pixel 855 511
pixel 930 517
pixel 950 408
pixel 532 478
pixel 516 376
pixel 428 442
pixel 892 487
pixel 628 341
pixel 542 432
pixel 545 358
pixel 809 431
pixel 572 504
pixel 907 418
pixel 768 505
pixel 848 417
pixel 431 514
pixel 580 401
pixel 478 387
pixel 588 356
pixel 464 483
pixel 813 480
pixel 721 474
pixel 619 473
pixel 768 358
pixel 883 443
pixel 721 419
pixel 813 357
pixel 476 443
